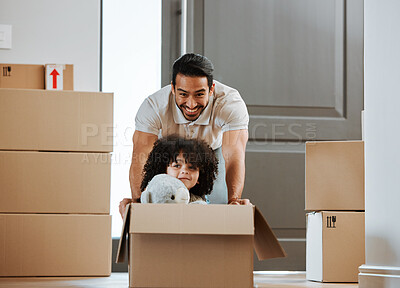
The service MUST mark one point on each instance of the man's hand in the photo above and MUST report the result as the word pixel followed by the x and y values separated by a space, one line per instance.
pixel 236 201
pixel 122 206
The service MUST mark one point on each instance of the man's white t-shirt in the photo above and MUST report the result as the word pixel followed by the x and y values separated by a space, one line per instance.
pixel 225 111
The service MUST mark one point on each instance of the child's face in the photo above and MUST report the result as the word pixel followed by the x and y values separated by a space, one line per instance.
pixel 184 171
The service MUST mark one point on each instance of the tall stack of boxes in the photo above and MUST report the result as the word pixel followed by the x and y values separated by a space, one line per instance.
pixel 55 169
pixel 335 200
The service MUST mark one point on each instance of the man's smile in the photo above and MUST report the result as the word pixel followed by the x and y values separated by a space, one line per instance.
pixel 192 111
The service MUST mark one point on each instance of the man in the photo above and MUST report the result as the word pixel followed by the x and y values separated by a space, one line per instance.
pixel 195 106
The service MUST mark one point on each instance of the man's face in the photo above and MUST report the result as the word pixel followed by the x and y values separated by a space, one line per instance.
pixel 191 95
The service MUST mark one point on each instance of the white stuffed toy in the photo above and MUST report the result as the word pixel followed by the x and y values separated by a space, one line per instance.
pixel 164 188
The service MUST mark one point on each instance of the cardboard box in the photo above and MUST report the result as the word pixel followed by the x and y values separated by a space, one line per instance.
pixel 22 76
pixel 179 245
pixel 68 82
pixel 55 245
pixel 335 246
pixel 49 182
pixel 63 77
pixel 334 175
pixel 56 120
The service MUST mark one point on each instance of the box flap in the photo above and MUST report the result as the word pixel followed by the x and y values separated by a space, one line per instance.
pixel 265 243
pixel 122 250
pixel 191 219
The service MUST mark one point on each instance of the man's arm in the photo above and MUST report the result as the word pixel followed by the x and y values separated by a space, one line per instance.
pixel 233 150
pixel 142 145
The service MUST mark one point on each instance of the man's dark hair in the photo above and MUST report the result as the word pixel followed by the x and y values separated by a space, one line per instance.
pixel 195 152
pixel 193 65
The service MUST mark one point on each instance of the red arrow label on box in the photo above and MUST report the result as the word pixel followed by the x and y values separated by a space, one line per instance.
pixel 54 73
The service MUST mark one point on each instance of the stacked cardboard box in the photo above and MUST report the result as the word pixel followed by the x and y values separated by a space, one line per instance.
pixel 335 198
pixel 30 76
pixel 55 183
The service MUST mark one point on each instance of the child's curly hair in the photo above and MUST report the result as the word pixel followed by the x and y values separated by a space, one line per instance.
pixel 195 152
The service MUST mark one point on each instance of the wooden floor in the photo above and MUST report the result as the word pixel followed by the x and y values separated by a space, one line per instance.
pixel 120 280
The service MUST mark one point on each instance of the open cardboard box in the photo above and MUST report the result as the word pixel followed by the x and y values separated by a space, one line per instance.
pixel 179 245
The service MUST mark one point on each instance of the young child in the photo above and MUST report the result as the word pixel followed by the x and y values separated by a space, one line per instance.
pixel 191 161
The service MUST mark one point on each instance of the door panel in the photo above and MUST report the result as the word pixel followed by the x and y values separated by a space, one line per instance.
pixel 275 182
pixel 293 49
pixel 296 253
pixel 292 61
pixel 298 65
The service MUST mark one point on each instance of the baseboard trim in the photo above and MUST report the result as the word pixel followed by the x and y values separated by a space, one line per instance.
pixel 378 276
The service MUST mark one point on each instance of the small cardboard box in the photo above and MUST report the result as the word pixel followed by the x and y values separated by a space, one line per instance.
pixel 21 76
pixel 56 120
pixel 49 182
pixel 334 176
pixel 55 245
pixel 335 246
pixel 59 77
pixel 179 245
pixel 26 76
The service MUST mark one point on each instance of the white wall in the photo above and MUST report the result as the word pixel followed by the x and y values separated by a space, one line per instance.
pixel 382 139
pixel 132 70
pixel 55 31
